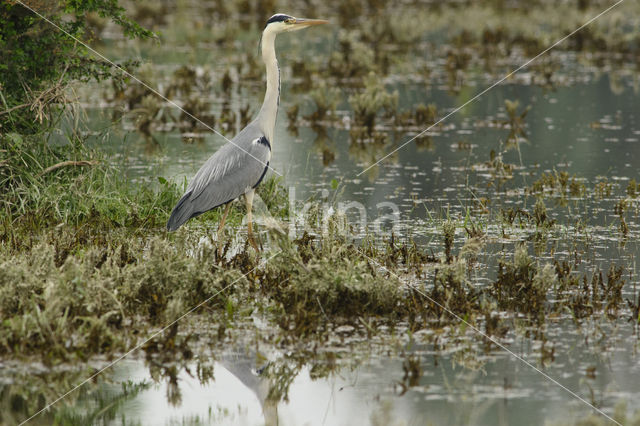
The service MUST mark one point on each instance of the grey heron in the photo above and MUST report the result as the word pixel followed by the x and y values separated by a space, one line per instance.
pixel 239 166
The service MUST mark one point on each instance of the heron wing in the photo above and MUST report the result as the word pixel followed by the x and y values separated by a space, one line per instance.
pixel 229 173
pixel 233 170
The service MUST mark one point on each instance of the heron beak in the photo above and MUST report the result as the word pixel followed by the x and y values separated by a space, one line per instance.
pixel 301 23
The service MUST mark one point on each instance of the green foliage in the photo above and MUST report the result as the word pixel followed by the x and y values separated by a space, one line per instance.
pixel 326 99
pixel 39 60
pixel 106 9
pixel 633 189
pixel 275 196
pixel 332 279
pixel 374 98
pixel 522 284
pixel 46 184
pixel 515 122
pixel 70 299
pixel 79 291
pixel 351 58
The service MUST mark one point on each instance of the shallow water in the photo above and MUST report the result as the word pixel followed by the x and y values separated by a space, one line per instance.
pixel 494 388
pixel 584 129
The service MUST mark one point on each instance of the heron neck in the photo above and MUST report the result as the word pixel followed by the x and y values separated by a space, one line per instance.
pixel 269 111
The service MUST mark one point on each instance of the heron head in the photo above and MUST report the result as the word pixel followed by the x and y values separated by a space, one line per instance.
pixel 282 23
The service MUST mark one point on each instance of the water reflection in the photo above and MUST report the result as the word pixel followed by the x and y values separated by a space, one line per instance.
pixel 418 383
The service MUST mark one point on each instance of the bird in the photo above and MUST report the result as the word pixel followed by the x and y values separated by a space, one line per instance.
pixel 238 167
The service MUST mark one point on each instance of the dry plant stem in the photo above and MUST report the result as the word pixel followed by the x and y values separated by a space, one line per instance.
pixel 68 164
pixel 7 111
pixel 42 100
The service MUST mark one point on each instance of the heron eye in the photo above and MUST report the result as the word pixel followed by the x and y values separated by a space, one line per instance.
pixel 289 21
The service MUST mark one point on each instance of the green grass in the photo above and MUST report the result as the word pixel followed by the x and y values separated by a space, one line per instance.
pixel 35 199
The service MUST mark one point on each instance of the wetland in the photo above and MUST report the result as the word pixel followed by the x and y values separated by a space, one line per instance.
pixel 483 272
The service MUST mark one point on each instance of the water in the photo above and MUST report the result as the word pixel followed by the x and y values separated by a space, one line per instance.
pixel 584 129
pixel 455 387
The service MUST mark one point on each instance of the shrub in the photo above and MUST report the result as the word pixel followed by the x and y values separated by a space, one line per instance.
pixel 40 60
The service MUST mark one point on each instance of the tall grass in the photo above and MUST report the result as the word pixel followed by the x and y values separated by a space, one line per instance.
pixel 45 185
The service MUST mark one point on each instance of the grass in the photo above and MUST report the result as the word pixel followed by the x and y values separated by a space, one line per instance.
pixel 68 298
pixel 37 195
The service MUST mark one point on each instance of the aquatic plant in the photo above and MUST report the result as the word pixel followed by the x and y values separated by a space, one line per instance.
pixel 560 184
pixel 515 122
pixel 326 100
pixel 321 288
pixel 368 103
pixel 422 116
pixel 500 171
pixel 522 285
pixel 101 405
pixel 352 58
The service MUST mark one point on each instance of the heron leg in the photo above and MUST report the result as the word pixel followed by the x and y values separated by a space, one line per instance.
pixel 249 200
pixel 224 218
